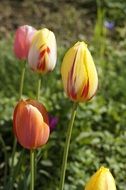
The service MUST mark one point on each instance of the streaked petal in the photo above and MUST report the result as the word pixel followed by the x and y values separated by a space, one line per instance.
pixel 79 74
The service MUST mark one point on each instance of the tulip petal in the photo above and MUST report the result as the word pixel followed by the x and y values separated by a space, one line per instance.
pixel 33 57
pixel 43 135
pixel 67 70
pixel 41 108
pixel 92 73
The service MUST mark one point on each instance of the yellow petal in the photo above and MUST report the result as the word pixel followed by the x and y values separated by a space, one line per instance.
pixel 92 74
pixel 101 180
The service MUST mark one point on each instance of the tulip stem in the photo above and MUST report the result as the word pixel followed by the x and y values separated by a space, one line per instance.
pixel 22 81
pixel 66 148
pixel 15 141
pixel 32 162
pixel 38 87
pixel 37 98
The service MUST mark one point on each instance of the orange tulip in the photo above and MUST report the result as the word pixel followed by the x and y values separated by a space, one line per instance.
pixel 30 124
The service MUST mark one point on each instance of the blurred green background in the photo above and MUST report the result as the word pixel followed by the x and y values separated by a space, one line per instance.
pixel 99 134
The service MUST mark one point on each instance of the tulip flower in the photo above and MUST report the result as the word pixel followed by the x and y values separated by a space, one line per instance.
pixel 101 180
pixel 43 51
pixel 79 74
pixel 22 41
pixel 30 124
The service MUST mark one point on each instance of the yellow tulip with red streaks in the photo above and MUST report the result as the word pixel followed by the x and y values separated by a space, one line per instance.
pixel 79 74
pixel 43 51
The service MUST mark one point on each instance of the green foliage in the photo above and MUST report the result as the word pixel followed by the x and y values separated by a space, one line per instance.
pixel 99 134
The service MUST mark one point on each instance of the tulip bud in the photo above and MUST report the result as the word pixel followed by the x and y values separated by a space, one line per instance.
pixel 101 180
pixel 43 51
pixel 23 38
pixel 79 74
pixel 30 124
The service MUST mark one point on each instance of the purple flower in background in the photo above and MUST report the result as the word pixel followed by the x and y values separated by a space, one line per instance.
pixel 109 24
pixel 53 122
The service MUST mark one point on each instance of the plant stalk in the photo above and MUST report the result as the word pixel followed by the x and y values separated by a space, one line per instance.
pixel 67 145
pixel 32 163
pixel 37 98
pixel 38 87
pixel 22 81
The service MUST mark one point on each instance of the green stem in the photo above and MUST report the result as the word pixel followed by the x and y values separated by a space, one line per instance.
pixel 32 163
pixel 67 144
pixel 38 87
pixel 15 141
pixel 37 98
pixel 6 159
pixel 22 81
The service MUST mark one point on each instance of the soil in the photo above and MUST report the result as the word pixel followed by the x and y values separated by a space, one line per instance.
pixel 70 20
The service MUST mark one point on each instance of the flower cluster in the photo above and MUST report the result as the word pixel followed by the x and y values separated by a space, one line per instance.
pixel 36 46
pixel 32 123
